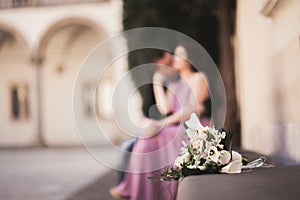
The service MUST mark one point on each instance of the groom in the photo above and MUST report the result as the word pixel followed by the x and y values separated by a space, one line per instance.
pixel 163 60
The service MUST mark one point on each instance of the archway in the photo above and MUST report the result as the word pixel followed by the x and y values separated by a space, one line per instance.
pixel 18 116
pixel 62 49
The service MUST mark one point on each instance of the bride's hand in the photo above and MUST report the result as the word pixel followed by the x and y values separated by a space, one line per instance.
pixel 152 127
pixel 159 77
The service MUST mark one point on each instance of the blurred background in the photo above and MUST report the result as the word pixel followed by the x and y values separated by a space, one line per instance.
pixel 254 43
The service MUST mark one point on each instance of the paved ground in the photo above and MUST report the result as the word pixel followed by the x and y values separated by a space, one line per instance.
pixel 57 174
pixel 54 174
pixel 97 190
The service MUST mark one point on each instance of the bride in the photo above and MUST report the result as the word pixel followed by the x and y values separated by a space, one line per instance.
pixel 162 144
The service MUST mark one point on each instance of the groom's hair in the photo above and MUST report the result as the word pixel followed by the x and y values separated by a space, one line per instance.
pixel 156 54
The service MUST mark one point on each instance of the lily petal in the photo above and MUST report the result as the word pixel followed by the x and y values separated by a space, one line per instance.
pixel 213 154
pixel 192 134
pixel 202 167
pixel 194 123
pixel 224 157
pixel 236 156
pixel 234 167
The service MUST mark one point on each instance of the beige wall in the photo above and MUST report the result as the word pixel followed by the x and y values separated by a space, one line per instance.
pixel 267 61
pixel 65 46
pixel 33 22
pixel 57 86
pixel 15 68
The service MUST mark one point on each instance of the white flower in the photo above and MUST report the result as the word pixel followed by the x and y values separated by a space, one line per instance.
pixel 224 157
pixel 203 136
pixel 202 167
pixel 223 135
pixel 236 156
pixel 206 128
pixel 192 134
pixel 197 144
pixel 209 144
pixel 194 123
pixel 182 159
pixel 205 150
pixel 184 150
pixel 213 154
pixel 217 140
pixel 197 159
pixel 192 167
pixel 233 167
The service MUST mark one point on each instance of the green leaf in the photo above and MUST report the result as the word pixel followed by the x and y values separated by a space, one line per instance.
pixel 191 150
pixel 210 136
pixel 189 172
pixel 185 126
pixel 170 174
pixel 245 160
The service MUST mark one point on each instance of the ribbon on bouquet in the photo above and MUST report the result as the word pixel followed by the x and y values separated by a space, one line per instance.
pixel 260 162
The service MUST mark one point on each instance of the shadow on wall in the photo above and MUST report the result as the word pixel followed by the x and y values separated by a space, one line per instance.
pixel 278 141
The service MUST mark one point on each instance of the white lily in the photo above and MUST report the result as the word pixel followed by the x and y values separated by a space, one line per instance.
pixel 236 156
pixel 197 144
pixel 202 167
pixel 224 157
pixel 194 123
pixel 213 154
pixel 192 134
pixel 181 159
pixel 223 135
pixel 197 160
pixel 234 167
pixel 192 167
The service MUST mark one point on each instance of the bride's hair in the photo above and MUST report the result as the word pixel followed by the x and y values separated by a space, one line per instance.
pixel 190 49
pixel 192 57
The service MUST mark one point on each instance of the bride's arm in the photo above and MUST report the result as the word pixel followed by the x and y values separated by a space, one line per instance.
pixel 200 92
pixel 195 104
pixel 163 98
pixel 179 116
pixel 182 115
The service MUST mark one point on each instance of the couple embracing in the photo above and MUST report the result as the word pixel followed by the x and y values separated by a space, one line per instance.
pixel 160 145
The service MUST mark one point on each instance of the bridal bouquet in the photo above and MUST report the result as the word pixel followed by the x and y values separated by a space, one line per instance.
pixel 207 152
